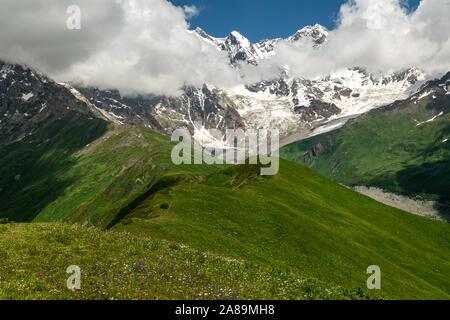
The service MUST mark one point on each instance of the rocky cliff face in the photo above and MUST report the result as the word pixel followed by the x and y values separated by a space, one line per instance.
pixel 209 106
pixel 30 100
pixel 289 105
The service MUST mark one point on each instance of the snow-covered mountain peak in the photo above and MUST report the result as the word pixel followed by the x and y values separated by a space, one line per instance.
pixel 242 50
pixel 236 41
pixel 202 33
pixel 317 34
pixel 238 36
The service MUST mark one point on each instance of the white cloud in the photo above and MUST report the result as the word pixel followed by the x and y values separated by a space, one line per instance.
pixel 143 46
pixel 379 35
pixel 133 45
pixel 153 52
pixel 35 32
pixel 191 11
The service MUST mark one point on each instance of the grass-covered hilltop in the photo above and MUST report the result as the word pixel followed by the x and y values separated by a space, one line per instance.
pixel 122 266
pixel 296 235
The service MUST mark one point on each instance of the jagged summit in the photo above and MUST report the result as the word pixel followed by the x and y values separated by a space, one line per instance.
pixel 30 100
pixel 241 50
pixel 317 33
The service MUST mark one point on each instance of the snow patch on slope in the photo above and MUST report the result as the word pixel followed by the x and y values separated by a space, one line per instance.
pixel 352 91
pixel 429 120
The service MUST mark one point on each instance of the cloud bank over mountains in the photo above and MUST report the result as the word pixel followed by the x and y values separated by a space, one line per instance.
pixel 379 35
pixel 144 46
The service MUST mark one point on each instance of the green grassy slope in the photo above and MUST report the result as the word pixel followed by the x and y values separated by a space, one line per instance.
pixel 115 171
pixel 121 266
pixel 299 222
pixel 83 170
pixel 31 169
pixel 302 221
pixel 387 148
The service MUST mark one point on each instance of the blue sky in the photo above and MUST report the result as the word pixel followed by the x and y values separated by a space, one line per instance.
pixel 262 19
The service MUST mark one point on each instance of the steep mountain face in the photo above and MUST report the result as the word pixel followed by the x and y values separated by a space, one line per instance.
pixel 290 104
pixel 299 106
pixel 296 107
pixel 402 147
pixel 30 101
pixel 208 106
pixel 316 34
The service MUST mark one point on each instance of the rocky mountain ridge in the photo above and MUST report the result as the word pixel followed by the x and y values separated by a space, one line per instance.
pixel 297 107
pixel 241 50
pixel 30 101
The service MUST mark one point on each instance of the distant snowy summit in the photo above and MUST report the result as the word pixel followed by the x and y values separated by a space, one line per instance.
pixel 240 49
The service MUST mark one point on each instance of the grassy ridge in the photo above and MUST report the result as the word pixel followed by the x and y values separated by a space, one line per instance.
pixel 297 222
pixel 301 221
pixel 31 170
pixel 121 266
pixel 83 170
pixel 112 173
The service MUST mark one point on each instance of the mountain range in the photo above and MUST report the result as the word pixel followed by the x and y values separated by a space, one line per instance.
pixel 297 107
pixel 240 49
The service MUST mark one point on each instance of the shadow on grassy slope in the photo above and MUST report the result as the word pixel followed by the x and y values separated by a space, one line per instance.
pixel 31 169
pixel 301 221
pixel 428 178
pixel 157 185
